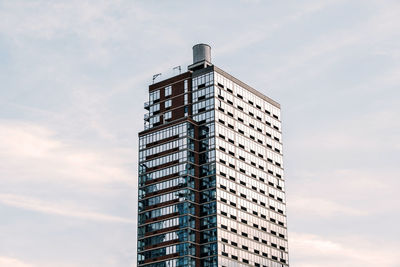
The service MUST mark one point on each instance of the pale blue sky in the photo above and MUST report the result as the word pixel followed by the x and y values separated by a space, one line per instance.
pixel 73 79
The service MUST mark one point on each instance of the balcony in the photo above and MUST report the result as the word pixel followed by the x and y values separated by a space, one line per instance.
pixel 147 105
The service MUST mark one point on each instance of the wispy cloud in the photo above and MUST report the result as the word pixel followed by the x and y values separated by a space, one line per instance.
pixel 313 207
pixel 359 133
pixel 261 32
pixel 76 78
pixel 315 251
pixel 51 208
pixel 35 152
pixel 373 30
pixel 343 194
pixel 13 262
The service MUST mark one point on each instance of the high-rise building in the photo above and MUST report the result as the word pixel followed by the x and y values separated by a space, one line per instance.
pixel 211 184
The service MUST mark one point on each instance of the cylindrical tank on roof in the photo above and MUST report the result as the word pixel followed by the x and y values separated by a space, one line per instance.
pixel 201 52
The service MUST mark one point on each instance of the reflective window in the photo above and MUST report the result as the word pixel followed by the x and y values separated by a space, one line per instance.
pixel 167 115
pixel 168 103
pixel 168 90
pixel 154 96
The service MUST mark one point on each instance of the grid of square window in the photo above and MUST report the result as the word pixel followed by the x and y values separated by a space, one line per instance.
pixel 250 184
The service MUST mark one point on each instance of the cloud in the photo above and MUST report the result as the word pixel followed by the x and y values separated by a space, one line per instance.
pixel 343 193
pixel 359 132
pixel 309 250
pixel 259 32
pixel 52 208
pixel 321 207
pixel 34 152
pixel 13 262
pixel 53 19
pixel 375 29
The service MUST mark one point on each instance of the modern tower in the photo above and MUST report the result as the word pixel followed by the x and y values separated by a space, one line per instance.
pixel 211 184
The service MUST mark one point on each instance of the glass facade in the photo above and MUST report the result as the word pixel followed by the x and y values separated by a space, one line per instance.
pixel 211 183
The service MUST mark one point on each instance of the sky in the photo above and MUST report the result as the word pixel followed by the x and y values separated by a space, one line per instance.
pixel 74 76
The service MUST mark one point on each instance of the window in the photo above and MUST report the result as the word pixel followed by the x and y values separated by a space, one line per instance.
pixel 155 108
pixel 168 103
pixel 154 96
pixel 167 115
pixel 168 91
pixel 155 119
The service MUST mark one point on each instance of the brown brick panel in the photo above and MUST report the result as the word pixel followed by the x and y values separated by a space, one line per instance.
pixel 178 101
pixel 178 113
pixel 169 81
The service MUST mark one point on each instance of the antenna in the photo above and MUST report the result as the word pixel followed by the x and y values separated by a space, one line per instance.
pixel 155 76
pixel 178 68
